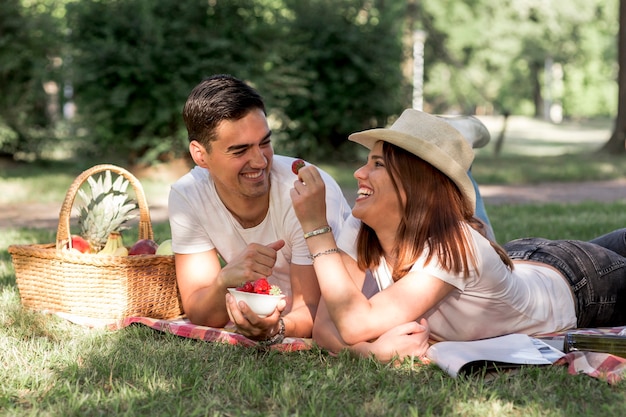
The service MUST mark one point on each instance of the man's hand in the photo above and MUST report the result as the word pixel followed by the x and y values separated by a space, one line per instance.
pixel 254 262
pixel 251 325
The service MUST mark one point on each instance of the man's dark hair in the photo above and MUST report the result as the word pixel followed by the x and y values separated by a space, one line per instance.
pixel 219 97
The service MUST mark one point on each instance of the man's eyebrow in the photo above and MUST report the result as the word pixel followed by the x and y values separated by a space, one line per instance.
pixel 235 148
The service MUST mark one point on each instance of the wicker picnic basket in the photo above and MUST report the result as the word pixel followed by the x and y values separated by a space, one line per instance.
pixel 53 279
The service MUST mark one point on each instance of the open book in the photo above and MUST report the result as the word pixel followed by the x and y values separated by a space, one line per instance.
pixel 503 352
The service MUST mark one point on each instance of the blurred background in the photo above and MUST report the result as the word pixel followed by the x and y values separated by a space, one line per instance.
pixel 107 79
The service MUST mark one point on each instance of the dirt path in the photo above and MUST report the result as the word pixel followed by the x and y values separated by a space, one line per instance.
pixel 47 215
pixel 605 191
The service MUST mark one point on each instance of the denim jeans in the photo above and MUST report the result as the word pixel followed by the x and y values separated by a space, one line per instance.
pixel 595 270
pixel 481 212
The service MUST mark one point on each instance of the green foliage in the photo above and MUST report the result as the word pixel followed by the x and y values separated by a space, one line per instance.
pixel 326 68
pixel 135 62
pixel 482 55
pixel 30 48
pixel 349 72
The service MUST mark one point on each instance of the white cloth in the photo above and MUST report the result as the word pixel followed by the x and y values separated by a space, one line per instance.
pixel 493 300
pixel 200 222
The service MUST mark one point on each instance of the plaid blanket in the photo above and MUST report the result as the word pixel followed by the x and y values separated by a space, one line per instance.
pixel 184 328
pixel 603 366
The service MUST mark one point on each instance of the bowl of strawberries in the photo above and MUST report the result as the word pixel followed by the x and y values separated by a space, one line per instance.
pixel 259 295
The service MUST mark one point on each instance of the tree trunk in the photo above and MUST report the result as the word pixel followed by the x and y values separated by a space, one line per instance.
pixel 535 72
pixel 616 143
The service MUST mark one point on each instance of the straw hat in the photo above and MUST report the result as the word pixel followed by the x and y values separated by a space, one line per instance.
pixel 432 139
pixel 472 129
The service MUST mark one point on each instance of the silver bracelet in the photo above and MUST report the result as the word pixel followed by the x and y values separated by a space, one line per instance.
pixel 326 252
pixel 319 231
pixel 277 338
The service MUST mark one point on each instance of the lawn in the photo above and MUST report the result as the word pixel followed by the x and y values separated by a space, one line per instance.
pixel 50 367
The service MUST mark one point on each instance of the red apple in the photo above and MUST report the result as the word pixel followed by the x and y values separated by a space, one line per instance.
pixel 80 244
pixel 143 247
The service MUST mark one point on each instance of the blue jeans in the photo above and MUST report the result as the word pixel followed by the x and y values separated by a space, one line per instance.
pixel 595 270
pixel 481 212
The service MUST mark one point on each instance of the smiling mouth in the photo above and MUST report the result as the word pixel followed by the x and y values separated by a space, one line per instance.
pixel 364 192
pixel 253 175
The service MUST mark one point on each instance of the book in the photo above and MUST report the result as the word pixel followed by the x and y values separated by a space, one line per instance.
pixel 496 353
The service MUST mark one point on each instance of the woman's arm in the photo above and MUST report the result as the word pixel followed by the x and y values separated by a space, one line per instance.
pixel 404 340
pixel 356 318
pixel 407 339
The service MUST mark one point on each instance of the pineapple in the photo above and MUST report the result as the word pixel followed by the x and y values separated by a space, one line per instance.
pixel 105 208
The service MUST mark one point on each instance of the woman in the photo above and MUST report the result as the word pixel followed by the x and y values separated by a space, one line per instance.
pixel 430 258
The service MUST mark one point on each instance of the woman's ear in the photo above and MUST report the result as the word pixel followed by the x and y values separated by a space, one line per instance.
pixel 198 153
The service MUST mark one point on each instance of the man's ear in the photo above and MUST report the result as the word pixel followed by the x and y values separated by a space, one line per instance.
pixel 197 152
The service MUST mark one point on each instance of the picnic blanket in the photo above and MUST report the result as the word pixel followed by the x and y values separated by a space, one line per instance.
pixel 184 328
pixel 603 366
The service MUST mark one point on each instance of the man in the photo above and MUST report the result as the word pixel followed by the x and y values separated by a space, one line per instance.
pixel 235 204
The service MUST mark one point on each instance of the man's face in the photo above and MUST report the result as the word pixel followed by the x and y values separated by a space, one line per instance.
pixel 241 157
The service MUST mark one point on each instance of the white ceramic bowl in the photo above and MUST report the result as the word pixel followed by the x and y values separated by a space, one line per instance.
pixel 262 304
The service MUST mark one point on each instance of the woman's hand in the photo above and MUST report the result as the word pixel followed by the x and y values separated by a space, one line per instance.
pixel 308 196
pixel 406 340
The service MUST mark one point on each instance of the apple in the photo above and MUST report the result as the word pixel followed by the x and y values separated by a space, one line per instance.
pixel 143 247
pixel 165 248
pixel 80 244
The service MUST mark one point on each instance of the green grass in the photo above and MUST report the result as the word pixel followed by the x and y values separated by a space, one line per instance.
pixel 50 367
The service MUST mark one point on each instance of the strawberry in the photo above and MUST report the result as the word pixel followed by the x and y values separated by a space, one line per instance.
pixel 261 286
pixel 296 165
pixel 247 287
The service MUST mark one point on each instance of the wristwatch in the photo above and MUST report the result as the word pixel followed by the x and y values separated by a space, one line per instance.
pixel 277 338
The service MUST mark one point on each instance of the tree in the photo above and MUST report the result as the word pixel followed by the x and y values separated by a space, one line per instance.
pixel 616 143
pixel 30 44
pixel 481 54
pixel 349 69
pixel 135 61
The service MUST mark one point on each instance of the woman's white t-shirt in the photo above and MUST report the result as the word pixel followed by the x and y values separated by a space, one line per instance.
pixel 493 300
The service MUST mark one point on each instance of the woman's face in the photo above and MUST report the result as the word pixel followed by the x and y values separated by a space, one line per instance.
pixel 377 203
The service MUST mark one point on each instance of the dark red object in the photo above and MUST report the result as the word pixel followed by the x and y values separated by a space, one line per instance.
pixel 247 287
pixel 296 165
pixel 143 247
pixel 261 286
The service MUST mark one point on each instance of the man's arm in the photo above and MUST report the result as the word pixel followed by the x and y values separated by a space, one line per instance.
pixel 203 283
pixel 202 293
pixel 306 296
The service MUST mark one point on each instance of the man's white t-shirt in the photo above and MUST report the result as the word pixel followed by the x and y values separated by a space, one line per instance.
pixel 199 221
pixel 493 300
